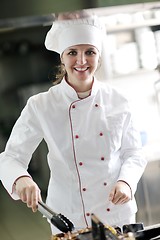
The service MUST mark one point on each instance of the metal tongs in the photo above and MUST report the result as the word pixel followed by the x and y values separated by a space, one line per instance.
pixel 58 220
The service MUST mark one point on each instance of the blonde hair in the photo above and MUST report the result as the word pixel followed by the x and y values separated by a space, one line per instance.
pixel 57 73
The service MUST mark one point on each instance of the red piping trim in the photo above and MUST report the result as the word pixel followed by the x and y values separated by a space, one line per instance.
pixel 75 160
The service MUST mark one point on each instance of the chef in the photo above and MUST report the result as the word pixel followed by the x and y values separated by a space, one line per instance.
pixel 94 149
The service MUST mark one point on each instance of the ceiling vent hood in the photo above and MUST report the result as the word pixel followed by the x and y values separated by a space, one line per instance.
pixel 20 14
pixel 26 21
pixel 10 24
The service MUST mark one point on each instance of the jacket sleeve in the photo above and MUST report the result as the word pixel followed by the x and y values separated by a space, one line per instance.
pixel 24 139
pixel 133 161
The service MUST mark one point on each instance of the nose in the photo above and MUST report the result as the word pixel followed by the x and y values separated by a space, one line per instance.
pixel 81 58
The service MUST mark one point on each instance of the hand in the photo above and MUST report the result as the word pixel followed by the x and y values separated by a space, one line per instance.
pixel 28 191
pixel 121 193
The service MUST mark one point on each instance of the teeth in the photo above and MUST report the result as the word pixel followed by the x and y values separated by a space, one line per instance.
pixel 81 69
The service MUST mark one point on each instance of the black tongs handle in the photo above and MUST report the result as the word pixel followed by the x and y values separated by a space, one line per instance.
pixel 58 220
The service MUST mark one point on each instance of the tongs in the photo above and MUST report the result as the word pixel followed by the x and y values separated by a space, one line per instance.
pixel 57 219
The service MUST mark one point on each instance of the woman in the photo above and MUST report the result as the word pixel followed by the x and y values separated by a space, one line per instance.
pixel 94 150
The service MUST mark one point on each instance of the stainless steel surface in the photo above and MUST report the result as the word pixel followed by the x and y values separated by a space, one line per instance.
pixel 148 195
pixel 45 210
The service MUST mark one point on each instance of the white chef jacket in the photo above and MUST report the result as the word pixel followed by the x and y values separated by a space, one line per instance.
pixel 92 143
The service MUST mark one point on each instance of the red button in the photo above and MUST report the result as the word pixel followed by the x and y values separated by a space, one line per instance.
pixel 80 163
pixel 84 189
pixel 102 158
pixel 77 136
pixel 101 134
pixel 105 184
pixel 73 106
pixel 96 105
pixel 108 209
pixel 87 214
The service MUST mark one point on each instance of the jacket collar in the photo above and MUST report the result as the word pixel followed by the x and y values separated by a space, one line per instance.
pixel 71 93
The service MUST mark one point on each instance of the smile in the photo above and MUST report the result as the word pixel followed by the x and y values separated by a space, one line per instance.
pixel 81 69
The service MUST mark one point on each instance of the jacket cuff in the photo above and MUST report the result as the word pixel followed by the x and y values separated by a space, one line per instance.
pixel 14 185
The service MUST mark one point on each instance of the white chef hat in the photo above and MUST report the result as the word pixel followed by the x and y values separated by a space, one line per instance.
pixel 67 33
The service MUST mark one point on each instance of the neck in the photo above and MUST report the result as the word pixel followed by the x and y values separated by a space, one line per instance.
pixel 81 86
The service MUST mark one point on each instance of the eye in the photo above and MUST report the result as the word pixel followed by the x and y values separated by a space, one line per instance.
pixel 72 53
pixel 90 52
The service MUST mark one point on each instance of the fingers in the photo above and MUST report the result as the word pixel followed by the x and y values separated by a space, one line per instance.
pixel 28 192
pixel 120 194
pixel 120 198
pixel 31 197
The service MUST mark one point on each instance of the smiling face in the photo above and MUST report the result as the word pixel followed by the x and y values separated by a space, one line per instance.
pixel 81 62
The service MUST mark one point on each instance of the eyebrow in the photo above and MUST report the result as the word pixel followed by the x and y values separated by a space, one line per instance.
pixel 74 49
pixel 71 49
